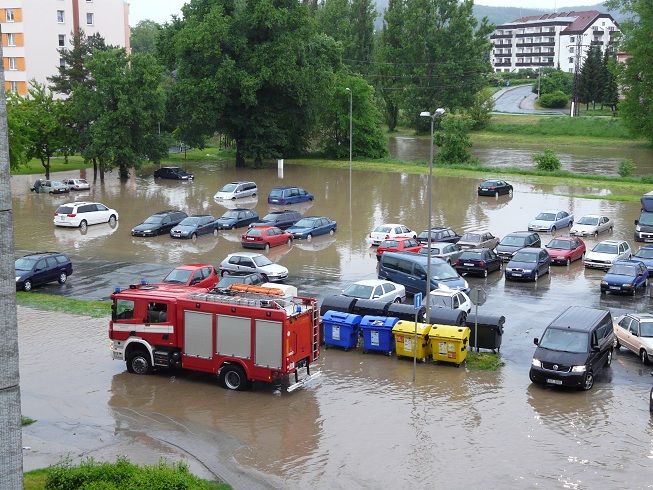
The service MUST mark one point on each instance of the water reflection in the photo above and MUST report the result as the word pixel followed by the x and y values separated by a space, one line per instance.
pixel 76 238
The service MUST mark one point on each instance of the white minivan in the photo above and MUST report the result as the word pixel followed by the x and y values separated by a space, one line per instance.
pixel 236 190
pixel 82 214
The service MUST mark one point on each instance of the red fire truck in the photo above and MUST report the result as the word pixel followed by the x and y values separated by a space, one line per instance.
pixel 245 334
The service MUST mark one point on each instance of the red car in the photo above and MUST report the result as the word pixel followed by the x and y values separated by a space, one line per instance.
pixel 192 275
pixel 565 249
pixel 265 237
pixel 398 245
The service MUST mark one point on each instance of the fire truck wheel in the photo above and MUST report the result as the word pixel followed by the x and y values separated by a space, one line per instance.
pixel 232 377
pixel 139 363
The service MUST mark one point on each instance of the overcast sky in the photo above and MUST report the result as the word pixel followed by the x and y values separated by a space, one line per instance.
pixel 161 10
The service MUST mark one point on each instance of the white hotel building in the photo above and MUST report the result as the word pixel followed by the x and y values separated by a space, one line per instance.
pixel 550 40
pixel 33 31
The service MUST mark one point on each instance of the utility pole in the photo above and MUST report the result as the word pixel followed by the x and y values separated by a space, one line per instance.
pixel 11 457
pixel 574 99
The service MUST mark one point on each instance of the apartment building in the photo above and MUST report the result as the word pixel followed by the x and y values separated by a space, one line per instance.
pixel 33 31
pixel 552 40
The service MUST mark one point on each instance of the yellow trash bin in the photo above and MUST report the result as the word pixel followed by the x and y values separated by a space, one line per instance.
pixel 404 333
pixel 449 343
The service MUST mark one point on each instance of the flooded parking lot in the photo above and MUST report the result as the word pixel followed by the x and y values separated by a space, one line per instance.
pixel 363 423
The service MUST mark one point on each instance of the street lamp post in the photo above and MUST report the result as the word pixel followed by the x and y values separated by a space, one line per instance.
pixel 350 137
pixel 427 296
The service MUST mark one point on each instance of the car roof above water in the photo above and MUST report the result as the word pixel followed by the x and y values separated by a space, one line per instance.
pixel 579 318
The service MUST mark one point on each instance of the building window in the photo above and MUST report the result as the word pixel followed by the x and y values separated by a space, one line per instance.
pixel 571 70
pixel 571 60
pixel 89 19
pixel 10 15
pixel 13 87
pixel 571 49
pixel 12 64
pixel 62 63
pixel 62 40
pixel 60 17
pixel 572 39
pixel 11 39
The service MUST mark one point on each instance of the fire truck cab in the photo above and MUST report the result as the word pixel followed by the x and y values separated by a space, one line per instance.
pixel 245 334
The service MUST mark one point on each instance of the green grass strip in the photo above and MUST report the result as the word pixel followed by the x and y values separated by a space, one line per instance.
pixel 483 361
pixel 53 302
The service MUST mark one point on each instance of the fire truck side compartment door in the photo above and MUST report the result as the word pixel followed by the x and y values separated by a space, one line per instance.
pixel 233 336
pixel 268 344
pixel 198 340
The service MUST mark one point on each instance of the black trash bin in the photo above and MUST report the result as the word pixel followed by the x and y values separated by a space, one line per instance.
pixel 406 312
pixel 446 316
pixel 371 307
pixel 337 302
pixel 490 331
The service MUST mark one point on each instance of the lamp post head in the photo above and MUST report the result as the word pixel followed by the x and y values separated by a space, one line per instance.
pixel 348 89
pixel 425 114
pixel 439 111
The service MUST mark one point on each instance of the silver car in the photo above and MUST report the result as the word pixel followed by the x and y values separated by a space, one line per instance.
pixel 445 251
pixel 635 332
pixel 478 239
pixel 248 262
pixel 591 225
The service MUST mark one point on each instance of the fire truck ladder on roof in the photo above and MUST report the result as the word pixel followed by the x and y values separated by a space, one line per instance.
pixel 316 331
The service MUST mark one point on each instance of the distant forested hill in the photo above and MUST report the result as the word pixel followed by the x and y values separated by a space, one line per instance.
pixel 501 15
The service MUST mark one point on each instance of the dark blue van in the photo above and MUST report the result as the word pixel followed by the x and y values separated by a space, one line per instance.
pixel 288 195
pixel 409 269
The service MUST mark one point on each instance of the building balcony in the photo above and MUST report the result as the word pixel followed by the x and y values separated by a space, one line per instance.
pixel 597 31
pixel 597 42
pixel 502 63
pixel 501 36
pixel 532 45
pixel 536 63
pixel 504 53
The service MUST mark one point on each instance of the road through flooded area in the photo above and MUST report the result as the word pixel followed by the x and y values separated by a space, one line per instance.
pixel 363 423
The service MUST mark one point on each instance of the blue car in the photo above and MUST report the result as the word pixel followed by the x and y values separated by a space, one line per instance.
pixel 236 218
pixel 288 195
pixel 625 276
pixel 528 263
pixel 645 256
pixel 193 226
pixel 312 226
pixel 551 221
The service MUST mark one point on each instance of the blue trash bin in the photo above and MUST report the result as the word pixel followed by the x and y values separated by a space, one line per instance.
pixel 377 333
pixel 341 329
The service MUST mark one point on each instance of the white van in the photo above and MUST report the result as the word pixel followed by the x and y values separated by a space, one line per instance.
pixel 236 190
pixel 82 214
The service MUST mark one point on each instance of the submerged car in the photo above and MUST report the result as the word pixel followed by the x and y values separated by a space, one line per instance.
pixel 550 221
pixel 265 237
pixel 478 261
pixel 634 331
pixel 174 173
pixel 50 186
pixel 591 225
pixel 528 263
pixel 83 214
pixel 515 241
pixel 625 276
pixel 159 223
pixel 438 234
pixel 565 249
pixel 494 187
pixel 192 275
pixel 645 256
pixel 281 219
pixel 390 230
pixel 478 239
pixel 606 253
pixel 236 190
pixel 236 218
pixel 248 262
pixel 77 184
pixel 376 289
pixel 288 195
pixel 398 245
pixel 194 226
pixel 442 250
pixel 307 228
pixel 41 268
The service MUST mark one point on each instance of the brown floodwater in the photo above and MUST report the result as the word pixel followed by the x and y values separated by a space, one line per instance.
pixel 363 423
pixel 600 160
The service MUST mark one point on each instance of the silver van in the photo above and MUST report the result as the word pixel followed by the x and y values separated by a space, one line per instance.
pixel 236 190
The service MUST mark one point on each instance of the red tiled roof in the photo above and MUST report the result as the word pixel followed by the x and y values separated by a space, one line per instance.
pixel 583 19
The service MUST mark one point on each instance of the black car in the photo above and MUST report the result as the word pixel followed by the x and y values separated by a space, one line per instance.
pixel 175 173
pixel 515 241
pixel 193 226
pixel 477 261
pixel 41 268
pixel 253 279
pixel 235 218
pixel 281 219
pixel 494 187
pixel 573 348
pixel 159 223
pixel 439 234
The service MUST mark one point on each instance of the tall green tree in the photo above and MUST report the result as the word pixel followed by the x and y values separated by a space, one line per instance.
pixel 126 103
pixel 144 37
pixel 367 137
pixel 17 131
pixel 610 92
pixel 255 71
pixel 453 139
pixel 591 77
pixel 637 75
pixel 556 81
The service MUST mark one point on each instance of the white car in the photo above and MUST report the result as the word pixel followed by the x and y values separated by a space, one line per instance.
pixel 390 230
pixel 591 225
pixel 77 184
pixel 248 262
pixel 236 190
pixel 450 298
pixel 606 253
pixel 83 214
pixel 376 289
pixel 635 332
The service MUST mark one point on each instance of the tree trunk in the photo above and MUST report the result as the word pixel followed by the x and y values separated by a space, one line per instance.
pixel 46 166
pixel 11 454
pixel 101 172
pixel 240 158
pixel 94 170
pixel 123 170
pixel 392 115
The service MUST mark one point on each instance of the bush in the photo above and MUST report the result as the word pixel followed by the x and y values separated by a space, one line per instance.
pixel 555 100
pixel 626 168
pixel 547 161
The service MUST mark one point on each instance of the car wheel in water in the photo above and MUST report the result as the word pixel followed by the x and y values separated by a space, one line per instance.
pixel 331 232
pixel 215 232
pixel 289 242
pixel 596 233
pixel 309 237
pixel 83 225
pixel 617 345
pixel 62 278
pixel 27 285
pixel 643 356
pixel 398 300
pixel 510 192
pixel 193 236
pixel 484 272
pixel 535 277
pixel 139 363
pixel 589 381
pixel 608 361
pixel 267 247
pixel 112 220
pixel 496 194
pixel 568 261
pixel 232 377
pixel 553 229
